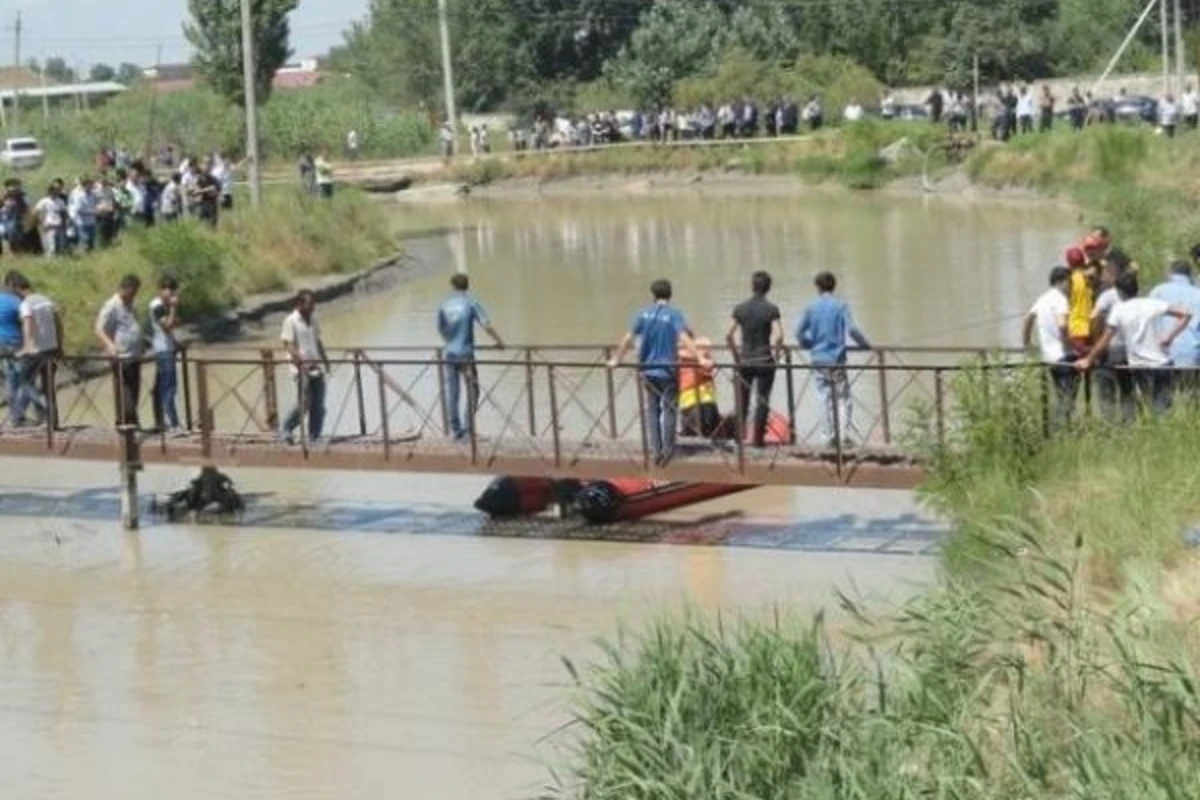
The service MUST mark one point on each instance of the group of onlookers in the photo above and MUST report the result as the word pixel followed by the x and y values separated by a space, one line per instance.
pixel 1094 319
pixel 94 210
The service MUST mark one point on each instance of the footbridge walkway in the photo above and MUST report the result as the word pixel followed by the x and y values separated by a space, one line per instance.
pixel 541 411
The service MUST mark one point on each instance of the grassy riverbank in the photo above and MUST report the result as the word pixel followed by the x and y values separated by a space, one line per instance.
pixel 1052 659
pixel 850 156
pixel 274 248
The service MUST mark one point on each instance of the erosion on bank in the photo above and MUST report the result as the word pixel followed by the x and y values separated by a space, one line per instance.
pixel 289 238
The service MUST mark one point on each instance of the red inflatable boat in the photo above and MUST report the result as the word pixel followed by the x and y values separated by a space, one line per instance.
pixel 604 502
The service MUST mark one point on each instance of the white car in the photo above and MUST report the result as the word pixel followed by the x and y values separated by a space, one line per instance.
pixel 22 153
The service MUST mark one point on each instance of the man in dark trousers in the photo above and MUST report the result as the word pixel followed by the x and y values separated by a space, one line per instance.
pixel 761 329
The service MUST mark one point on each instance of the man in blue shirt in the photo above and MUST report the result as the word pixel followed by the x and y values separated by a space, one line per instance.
pixel 661 331
pixel 826 326
pixel 1179 291
pixel 11 338
pixel 457 319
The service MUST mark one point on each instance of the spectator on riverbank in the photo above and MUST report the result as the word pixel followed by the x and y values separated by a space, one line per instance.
pixel 11 338
pixel 1189 106
pixel 170 202
pixel 1135 322
pixel 1077 109
pixel 301 338
pixel 824 330
pixel 758 325
pixel 51 223
pixel 457 318
pixel 81 209
pixel 1048 318
pixel 120 336
pixel 1111 378
pixel 1046 106
pixel 661 333
pixel 324 171
pixel 164 318
pixel 1180 291
pixel 1082 295
pixel 41 332
pixel 1168 116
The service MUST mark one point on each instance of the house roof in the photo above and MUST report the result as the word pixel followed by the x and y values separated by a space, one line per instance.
pixel 23 78
pixel 64 90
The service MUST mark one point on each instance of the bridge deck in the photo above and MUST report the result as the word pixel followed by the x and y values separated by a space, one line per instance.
pixel 540 412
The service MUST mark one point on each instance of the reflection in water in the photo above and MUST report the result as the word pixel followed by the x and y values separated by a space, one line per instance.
pixel 369 635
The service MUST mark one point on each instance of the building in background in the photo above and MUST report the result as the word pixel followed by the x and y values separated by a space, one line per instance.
pixel 303 74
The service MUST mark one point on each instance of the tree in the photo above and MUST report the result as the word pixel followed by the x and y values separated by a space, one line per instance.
pixel 128 74
pixel 216 35
pixel 102 73
pixel 675 39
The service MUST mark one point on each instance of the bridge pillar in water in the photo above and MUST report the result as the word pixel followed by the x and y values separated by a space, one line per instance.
pixel 130 465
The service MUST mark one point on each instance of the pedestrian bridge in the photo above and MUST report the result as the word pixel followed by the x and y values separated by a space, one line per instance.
pixel 542 411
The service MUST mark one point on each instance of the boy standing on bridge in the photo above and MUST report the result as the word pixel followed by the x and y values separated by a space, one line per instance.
pixel 661 332
pixel 310 365
pixel 823 331
pixel 457 319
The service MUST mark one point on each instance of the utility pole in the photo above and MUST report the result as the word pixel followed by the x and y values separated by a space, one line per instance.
pixel 251 104
pixel 45 97
pixel 17 73
pixel 975 97
pixel 1166 50
pixel 1180 70
pixel 447 72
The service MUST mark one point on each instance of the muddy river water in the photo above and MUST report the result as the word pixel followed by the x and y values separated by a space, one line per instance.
pixel 368 635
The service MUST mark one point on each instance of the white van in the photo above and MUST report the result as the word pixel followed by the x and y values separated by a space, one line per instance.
pixel 22 153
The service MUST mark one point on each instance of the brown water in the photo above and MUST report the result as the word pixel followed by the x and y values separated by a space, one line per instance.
pixel 368 635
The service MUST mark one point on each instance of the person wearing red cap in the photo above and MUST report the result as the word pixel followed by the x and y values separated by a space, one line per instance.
pixel 1082 296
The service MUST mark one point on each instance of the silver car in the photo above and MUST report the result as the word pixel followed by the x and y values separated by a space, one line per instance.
pixel 22 153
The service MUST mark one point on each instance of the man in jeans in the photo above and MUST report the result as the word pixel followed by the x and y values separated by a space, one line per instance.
pixel 1135 322
pixel 120 336
pixel 661 332
pixel 761 328
pixel 164 310
pixel 1049 317
pixel 41 328
pixel 310 365
pixel 457 319
pixel 10 339
pixel 824 329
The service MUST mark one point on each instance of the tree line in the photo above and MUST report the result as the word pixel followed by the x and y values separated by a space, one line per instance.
pixel 510 53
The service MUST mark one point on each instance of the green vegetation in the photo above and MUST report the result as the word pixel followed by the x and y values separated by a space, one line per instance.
pixel 215 31
pixel 521 53
pixel 274 248
pixel 199 121
pixel 850 156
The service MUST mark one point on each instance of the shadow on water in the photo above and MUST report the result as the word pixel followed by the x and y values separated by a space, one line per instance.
pixel 903 534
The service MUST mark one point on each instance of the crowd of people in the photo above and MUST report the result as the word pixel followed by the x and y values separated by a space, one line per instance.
pixel 1140 349
pixel 94 210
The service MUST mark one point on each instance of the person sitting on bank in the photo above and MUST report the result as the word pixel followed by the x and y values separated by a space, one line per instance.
pixel 301 338
pixel 1135 323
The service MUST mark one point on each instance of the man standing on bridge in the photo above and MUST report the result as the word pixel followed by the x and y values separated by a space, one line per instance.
pixel 823 331
pixel 120 335
pixel 457 319
pixel 661 331
pixel 310 365
pixel 758 319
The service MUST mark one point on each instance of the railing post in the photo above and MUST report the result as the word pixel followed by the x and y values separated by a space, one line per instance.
pixel 441 387
pixel 834 377
pixel 739 422
pixel 611 389
pixel 185 372
pixel 939 393
pixel 118 392
pixel 50 377
pixel 1045 382
pixel 529 392
pixel 471 370
pixel 641 393
pixel 885 414
pixel 554 432
pixel 270 389
pixel 206 416
pixel 384 422
pixel 131 464
pixel 302 393
pixel 790 381
pixel 358 392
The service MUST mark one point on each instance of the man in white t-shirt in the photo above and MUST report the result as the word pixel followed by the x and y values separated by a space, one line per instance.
pixel 1048 318
pixel 1113 384
pixel 310 365
pixel 41 328
pixel 1134 322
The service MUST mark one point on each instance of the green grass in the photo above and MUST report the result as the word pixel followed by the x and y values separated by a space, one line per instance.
pixel 275 248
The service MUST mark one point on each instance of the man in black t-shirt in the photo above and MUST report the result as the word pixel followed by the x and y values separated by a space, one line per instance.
pixel 207 195
pixel 761 328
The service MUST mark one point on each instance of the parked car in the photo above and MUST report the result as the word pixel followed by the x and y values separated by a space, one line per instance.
pixel 22 153
pixel 1136 108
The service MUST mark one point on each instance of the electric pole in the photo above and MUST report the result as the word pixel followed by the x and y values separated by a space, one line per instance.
pixel 251 104
pixel 1166 41
pixel 17 73
pixel 447 72
pixel 1180 70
